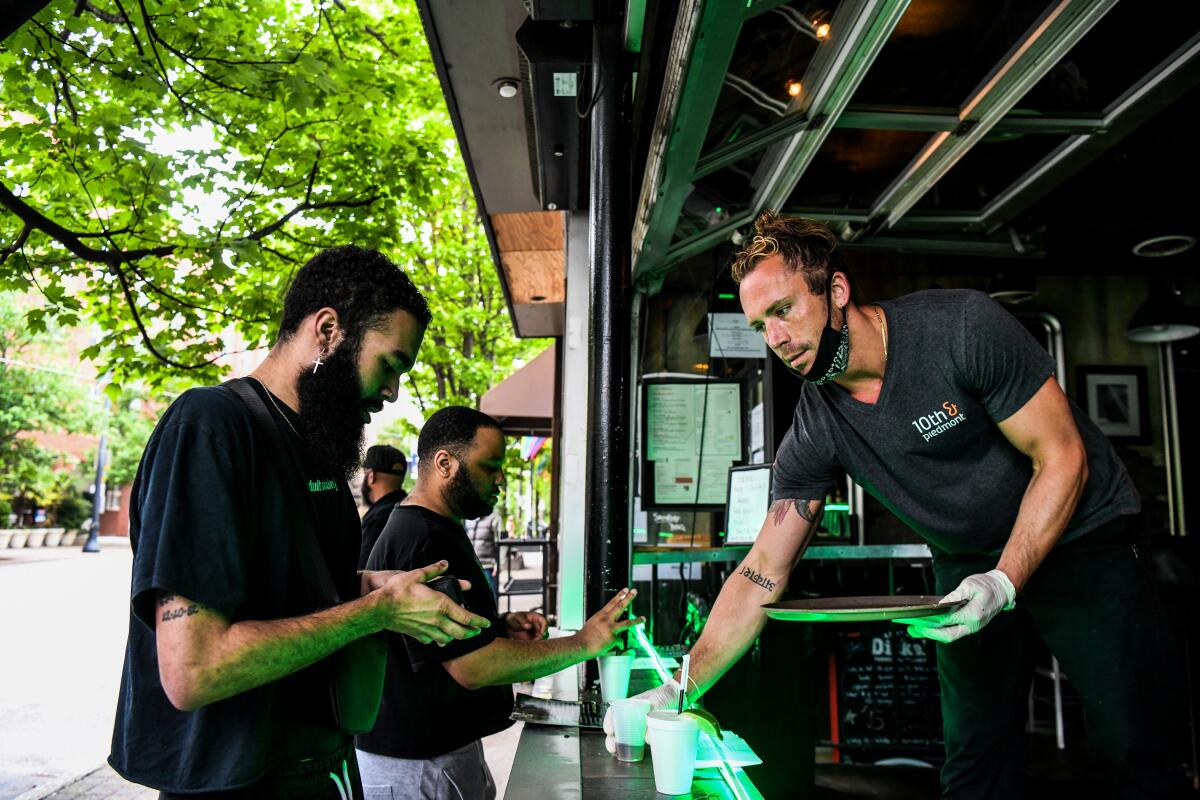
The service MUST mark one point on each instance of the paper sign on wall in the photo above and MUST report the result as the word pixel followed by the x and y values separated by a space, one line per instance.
pixel 749 499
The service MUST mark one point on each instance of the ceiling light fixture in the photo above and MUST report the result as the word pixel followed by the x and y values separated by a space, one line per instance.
pixel 1012 288
pixel 821 29
pixel 794 87
pixel 1161 246
pixel 506 87
pixel 1162 318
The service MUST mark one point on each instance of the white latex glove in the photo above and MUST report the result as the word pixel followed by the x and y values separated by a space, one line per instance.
pixel 665 696
pixel 986 594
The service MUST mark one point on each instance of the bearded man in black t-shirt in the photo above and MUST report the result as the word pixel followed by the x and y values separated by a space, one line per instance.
pixel 461 691
pixel 945 409
pixel 226 684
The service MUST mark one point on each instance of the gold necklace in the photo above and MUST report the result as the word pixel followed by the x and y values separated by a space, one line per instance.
pixel 279 410
pixel 882 332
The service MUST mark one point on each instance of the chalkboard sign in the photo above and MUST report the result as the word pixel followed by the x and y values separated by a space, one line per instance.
pixel 888 698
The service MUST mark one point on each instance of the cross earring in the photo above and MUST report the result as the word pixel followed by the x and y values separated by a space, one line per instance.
pixel 317 362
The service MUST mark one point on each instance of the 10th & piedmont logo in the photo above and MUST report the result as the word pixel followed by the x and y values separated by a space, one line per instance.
pixel 940 421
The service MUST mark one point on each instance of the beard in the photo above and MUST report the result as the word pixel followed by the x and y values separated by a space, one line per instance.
pixel 365 492
pixel 463 498
pixel 331 407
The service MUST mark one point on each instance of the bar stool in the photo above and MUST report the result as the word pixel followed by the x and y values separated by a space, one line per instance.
pixel 1056 676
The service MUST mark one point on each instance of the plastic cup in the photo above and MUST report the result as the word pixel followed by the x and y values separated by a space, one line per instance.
pixel 673 742
pixel 614 676
pixel 629 728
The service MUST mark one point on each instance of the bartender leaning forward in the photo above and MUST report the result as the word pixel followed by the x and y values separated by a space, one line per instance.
pixel 944 408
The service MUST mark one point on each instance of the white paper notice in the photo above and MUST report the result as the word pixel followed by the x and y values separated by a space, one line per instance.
pixel 749 498
pixel 674 482
pixel 714 480
pixel 677 480
pixel 730 337
pixel 670 421
pixel 722 412
pixel 756 428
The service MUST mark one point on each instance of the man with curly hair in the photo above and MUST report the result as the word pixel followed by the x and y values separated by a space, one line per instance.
pixel 941 405
pixel 229 669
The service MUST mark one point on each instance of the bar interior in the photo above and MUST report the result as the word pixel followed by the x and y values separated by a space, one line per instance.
pixel 620 152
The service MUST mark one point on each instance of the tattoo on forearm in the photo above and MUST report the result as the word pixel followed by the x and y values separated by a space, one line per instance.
pixel 186 611
pixel 757 578
pixel 164 598
pixel 809 510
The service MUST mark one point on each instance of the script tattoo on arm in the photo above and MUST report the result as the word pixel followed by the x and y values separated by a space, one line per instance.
pixel 757 578
pixel 807 509
pixel 168 614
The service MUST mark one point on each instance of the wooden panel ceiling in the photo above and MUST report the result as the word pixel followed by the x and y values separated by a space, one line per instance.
pixel 532 254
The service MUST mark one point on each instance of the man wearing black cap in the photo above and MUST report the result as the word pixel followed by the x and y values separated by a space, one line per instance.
pixel 384 469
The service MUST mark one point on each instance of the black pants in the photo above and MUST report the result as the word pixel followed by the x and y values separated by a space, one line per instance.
pixel 298 780
pixel 1093 604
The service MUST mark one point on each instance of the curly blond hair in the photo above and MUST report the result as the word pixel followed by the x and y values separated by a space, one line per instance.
pixel 807 246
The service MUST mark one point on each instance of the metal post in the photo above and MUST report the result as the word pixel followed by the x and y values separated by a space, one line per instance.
pixel 607 532
pixel 92 545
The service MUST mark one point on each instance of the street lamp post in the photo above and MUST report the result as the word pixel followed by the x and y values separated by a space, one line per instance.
pixel 92 545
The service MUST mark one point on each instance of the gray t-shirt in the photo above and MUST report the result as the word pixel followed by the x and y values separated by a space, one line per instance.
pixel 929 449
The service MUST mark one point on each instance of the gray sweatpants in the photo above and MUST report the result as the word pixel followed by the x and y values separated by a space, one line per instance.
pixel 461 774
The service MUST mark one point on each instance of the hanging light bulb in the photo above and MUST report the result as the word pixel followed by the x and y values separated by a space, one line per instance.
pixel 794 87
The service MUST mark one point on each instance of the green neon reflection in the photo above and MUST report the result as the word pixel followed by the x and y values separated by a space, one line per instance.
pixel 725 768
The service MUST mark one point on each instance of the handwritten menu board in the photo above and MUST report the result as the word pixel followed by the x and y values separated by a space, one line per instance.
pixel 888 694
pixel 749 499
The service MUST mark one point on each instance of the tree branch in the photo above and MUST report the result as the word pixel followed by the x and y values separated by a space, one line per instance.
pixel 129 24
pixel 379 38
pixel 17 244
pixel 84 5
pixel 417 391
pixel 71 240
pixel 302 207
pixel 137 319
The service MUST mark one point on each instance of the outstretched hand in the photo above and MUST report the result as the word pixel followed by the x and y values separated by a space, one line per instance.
pixel 599 633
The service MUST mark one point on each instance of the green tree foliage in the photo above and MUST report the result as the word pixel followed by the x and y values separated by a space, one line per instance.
pixel 130 422
pixel 469 346
pixel 34 396
pixel 307 124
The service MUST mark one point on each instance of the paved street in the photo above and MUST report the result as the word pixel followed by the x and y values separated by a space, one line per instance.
pixel 62 621
pixel 63 617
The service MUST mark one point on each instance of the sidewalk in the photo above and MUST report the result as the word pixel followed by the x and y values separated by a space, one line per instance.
pixel 59 704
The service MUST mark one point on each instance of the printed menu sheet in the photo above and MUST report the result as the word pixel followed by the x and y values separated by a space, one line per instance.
pixel 693 436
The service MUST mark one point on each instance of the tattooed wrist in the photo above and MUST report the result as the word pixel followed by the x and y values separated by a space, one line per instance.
pixel 757 578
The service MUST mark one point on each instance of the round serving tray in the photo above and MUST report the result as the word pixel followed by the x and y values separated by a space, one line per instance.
pixel 860 609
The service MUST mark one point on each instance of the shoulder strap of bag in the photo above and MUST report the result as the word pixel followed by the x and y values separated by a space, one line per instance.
pixel 312 561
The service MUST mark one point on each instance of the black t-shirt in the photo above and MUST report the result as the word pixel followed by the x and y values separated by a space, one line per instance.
pixel 208 523
pixel 929 448
pixel 425 712
pixel 373 522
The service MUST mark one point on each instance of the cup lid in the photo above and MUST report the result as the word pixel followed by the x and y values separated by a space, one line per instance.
pixel 632 702
pixel 670 719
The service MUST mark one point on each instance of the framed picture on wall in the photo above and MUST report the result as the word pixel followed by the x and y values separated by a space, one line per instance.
pixel 1116 400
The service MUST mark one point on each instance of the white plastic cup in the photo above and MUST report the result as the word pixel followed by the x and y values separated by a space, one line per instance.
pixel 673 742
pixel 614 676
pixel 629 728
